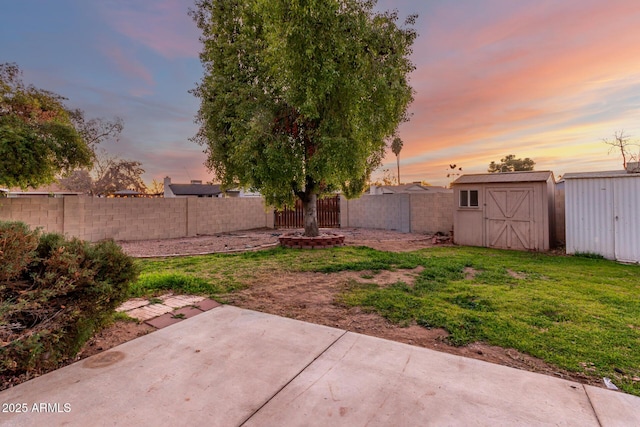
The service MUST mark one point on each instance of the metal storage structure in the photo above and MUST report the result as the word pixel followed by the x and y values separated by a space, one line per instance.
pixel 602 214
pixel 509 210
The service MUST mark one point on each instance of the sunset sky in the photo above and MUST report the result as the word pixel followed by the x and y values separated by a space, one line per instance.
pixel 544 79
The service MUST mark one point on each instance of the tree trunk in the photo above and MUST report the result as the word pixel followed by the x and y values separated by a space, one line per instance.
pixel 398 160
pixel 310 216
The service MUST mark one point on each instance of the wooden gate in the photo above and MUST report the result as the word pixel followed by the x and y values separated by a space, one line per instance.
pixel 328 214
pixel 509 218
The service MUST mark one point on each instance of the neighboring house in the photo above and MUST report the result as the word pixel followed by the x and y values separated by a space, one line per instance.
pixel 239 192
pixel 194 189
pixel 509 210
pixel 197 189
pixel 602 213
pixel 413 188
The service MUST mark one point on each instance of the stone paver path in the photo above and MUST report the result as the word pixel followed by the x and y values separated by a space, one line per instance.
pixel 166 309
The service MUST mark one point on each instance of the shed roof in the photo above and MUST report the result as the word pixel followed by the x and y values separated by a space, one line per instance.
pixel 504 177
pixel 195 189
pixel 601 174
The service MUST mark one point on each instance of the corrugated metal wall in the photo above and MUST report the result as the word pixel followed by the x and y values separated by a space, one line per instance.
pixel 627 223
pixel 602 217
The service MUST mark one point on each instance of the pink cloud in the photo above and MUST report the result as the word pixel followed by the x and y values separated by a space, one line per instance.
pixel 132 67
pixel 161 25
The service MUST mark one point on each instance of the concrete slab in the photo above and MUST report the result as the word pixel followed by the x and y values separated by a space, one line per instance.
pixel 614 408
pixel 216 368
pixel 363 380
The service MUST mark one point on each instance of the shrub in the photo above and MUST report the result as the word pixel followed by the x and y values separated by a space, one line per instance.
pixel 55 294
pixel 17 249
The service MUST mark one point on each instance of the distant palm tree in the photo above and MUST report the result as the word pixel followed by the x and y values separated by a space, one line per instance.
pixel 396 147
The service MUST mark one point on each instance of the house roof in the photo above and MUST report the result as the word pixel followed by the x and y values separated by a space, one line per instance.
pixel 601 174
pixel 504 177
pixel 195 189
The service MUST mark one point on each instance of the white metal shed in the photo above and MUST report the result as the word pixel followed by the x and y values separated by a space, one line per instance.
pixel 601 211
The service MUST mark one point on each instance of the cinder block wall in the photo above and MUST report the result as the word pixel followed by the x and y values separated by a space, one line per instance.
pixel 140 219
pixel 136 219
pixel 230 214
pixel 418 213
pixel 37 212
pixel 432 213
pixel 387 212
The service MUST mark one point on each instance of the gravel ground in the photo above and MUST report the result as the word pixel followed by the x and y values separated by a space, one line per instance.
pixel 264 238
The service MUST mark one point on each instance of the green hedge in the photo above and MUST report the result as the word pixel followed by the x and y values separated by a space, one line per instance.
pixel 54 293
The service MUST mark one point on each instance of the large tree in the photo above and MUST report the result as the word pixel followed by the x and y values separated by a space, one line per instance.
pixel 300 97
pixel 511 164
pixel 38 138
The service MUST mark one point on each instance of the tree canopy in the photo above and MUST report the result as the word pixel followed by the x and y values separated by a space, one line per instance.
pixel 299 98
pixel 511 164
pixel 38 138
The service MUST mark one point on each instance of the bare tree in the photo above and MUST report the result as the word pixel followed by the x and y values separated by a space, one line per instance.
pixel 396 147
pixel 623 143
pixel 156 188
pixel 109 174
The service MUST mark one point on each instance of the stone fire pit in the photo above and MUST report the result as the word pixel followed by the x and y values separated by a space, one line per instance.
pixel 298 241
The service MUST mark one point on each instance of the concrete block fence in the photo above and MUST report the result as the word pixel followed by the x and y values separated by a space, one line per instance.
pixel 417 213
pixel 95 219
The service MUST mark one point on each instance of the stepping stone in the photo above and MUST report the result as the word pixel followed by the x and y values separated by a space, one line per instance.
pixel 133 303
pixel 177 301
pixel 186 312
pixel 163 321
pixel 207 304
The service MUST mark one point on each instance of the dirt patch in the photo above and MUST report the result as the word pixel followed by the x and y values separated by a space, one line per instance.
pixel 115 334
pixel 516 275
pixel 470 273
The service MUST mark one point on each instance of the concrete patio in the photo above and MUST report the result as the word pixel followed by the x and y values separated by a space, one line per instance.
pixel 230 367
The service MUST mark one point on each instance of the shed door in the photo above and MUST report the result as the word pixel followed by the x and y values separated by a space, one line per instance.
pixel 509 221
pixel 626 224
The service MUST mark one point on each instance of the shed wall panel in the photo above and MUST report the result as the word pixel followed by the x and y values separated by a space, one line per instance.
pixel 589 216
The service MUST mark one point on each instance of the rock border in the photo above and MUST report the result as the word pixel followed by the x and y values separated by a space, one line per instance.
pixel 295 241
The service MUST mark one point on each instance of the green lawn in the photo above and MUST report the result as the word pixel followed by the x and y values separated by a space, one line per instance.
pixel 578 313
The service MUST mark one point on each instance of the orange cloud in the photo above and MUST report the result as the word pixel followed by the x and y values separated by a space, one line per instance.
pixel 524 79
